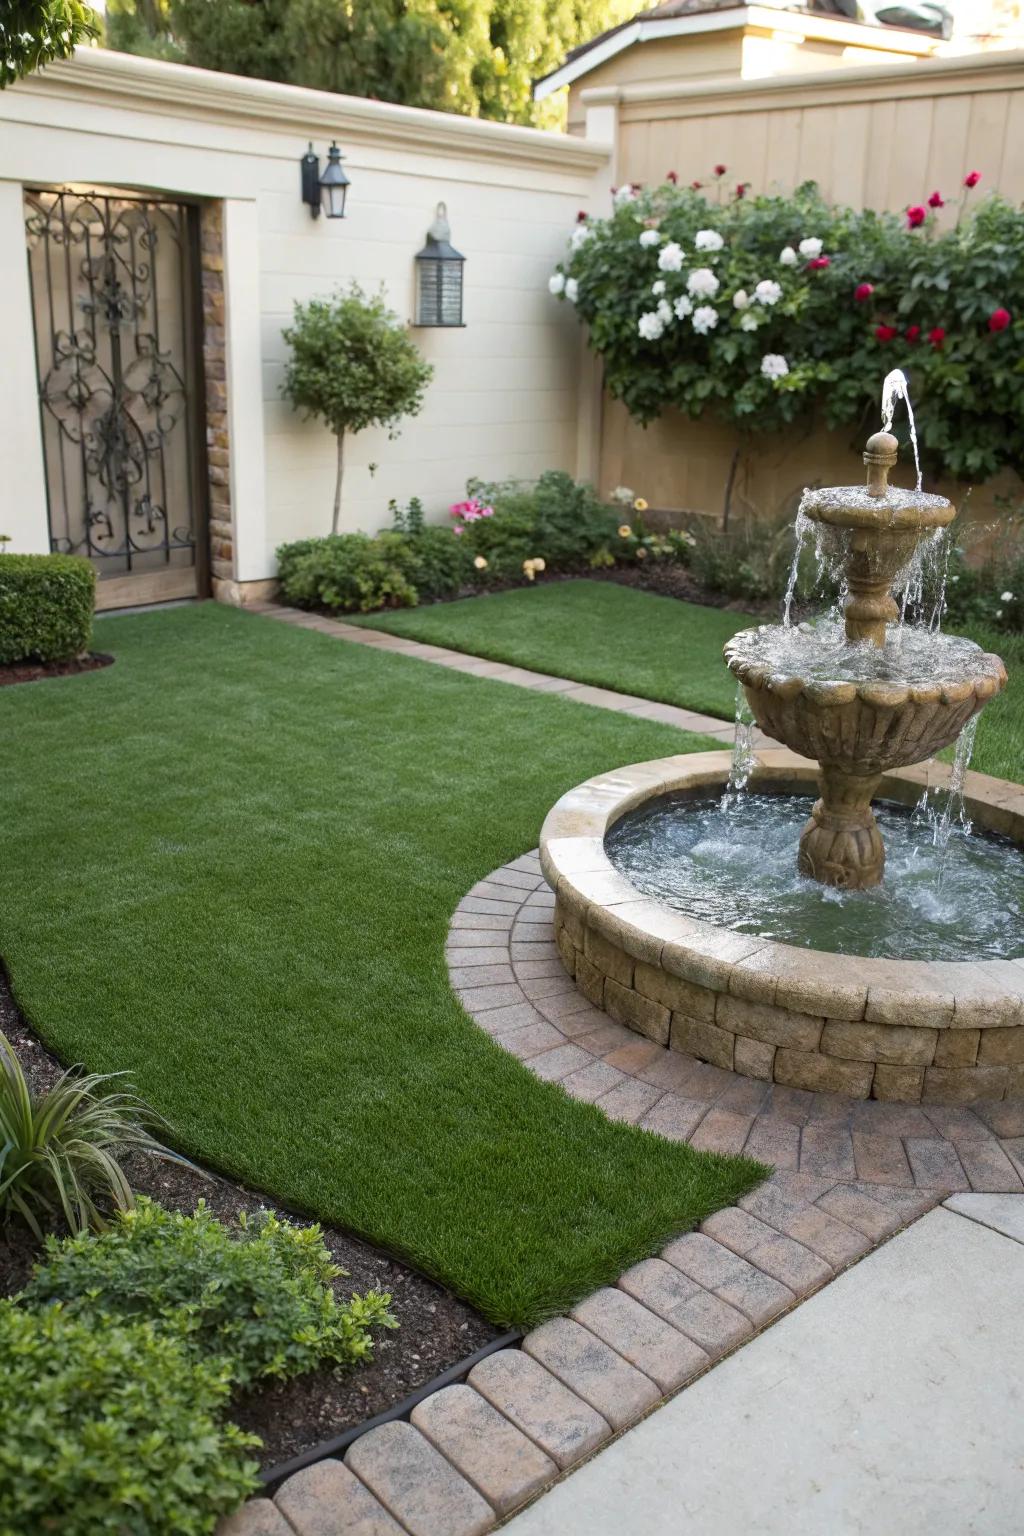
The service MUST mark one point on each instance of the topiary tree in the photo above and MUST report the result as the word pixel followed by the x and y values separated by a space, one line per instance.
pixel 32 32
pixel 354 365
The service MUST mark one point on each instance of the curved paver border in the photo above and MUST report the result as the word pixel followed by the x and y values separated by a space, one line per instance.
pixel 895 1029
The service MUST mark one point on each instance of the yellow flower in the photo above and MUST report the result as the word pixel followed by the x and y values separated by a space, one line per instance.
pixel 641 553
pixel 529 569
pixel 480 563
pixel 639 505
pixel 539 565
pixel 625 531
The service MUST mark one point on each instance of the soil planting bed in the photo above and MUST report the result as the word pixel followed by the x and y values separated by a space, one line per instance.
pixel 435 1329
pixel 35 671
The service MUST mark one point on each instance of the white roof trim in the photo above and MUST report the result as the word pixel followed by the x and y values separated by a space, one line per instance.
pixel 821 28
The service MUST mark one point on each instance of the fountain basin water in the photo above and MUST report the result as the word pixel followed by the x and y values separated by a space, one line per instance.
pixel 900 1029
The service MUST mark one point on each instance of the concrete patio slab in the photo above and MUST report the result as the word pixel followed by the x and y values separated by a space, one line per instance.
pixel 890 1401
pixel 1003 1213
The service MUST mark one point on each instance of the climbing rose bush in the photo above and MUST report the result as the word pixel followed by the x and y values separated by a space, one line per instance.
pixel 765 311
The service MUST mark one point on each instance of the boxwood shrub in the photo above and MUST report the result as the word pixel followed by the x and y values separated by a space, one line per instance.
pixel 114 1428
pixel 46 605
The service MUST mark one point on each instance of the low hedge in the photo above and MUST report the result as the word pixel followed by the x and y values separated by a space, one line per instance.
pixel 46 607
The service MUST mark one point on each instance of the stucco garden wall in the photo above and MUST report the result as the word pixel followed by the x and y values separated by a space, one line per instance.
pixel 505 396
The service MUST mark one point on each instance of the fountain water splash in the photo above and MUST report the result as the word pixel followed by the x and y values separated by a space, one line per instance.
pixel 895 387
pixel 744 758
pixel 943 810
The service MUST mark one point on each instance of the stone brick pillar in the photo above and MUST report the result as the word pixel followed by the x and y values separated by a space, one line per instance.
pixel 218 445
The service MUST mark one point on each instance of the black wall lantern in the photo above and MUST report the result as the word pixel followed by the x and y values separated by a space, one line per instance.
pixel 439 276
pixel 327 190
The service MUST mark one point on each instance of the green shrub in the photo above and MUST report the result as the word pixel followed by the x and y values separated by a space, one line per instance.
pixel 59 1149
pixel 112 1429
pixel 750 561
pixel 987 593
pixel 556 520
pixel 347 572
pixel 438 564
pixel 46 604
pixel 259 1297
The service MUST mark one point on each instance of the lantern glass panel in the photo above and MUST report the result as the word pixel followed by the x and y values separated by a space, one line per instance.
pixel 440 292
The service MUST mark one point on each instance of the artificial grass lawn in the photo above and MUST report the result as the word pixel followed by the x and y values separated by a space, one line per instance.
pixel 594 632
pixel 657 647
pixel 229 866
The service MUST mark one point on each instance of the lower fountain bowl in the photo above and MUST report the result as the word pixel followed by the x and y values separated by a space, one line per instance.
pixel 947 1032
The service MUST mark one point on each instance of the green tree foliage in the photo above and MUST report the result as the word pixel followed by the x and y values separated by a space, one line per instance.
pixel 354 366
pixel 475 57
pixel 32 32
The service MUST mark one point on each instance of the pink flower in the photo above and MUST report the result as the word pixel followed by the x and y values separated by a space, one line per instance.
pixel 459 530
pixel 936 200
pixel 972 178
pixel 999 319
pixel 913 333
pixel 819 263
pixel 937 336
pixel 486 511
pixel 863 291
pixel 886 332
pixel 916 216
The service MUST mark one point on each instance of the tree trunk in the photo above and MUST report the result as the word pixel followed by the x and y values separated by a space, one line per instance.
pixel 337 483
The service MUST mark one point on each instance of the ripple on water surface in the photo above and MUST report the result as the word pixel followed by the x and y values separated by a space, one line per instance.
pixel 736 867
pixel 820 652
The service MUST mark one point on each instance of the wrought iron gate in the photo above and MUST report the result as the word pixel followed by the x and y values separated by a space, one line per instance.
pixel 116 315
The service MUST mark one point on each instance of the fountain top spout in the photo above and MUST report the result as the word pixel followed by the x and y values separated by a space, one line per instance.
pixel 880 454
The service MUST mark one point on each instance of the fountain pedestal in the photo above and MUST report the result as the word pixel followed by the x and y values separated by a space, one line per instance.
pixel 841 845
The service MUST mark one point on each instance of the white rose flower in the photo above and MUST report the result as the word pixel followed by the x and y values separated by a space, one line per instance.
pixel 774 365
pixel 1006 597
pixel 702 283
pixel 683 306
pixel 787 256
pixel 999 613
pixel 741 299
pixel 556 283
pixel 572 289
pixel 704 319
pixel 650 326
pixel 650 237
pixel 768 291
pixel 623 494
pixel 708 240
pixel 748 322
pixel 580 235
pixel 670 257
pixel 658 288
pixel 664 311
pixel 811 247
pixel 623 195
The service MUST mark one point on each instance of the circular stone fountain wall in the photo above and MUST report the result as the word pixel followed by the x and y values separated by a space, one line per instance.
pixel 905 1030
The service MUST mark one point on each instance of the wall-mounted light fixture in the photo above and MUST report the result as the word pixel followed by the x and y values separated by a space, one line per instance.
pixel 327 191
pixel 439 268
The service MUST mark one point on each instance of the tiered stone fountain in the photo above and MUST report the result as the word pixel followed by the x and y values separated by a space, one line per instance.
pixel 673 924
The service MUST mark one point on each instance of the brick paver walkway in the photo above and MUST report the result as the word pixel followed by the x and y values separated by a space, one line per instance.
pixel 848 1176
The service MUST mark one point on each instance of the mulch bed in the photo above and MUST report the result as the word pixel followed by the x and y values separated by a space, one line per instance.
pixel 436 1329
pixel 35 671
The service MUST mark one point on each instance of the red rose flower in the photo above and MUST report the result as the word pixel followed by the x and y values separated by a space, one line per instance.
pixel 916 216
pixel 720 170
pixel 741 188
pixel 863 291
pixel 936 200
pixel 673 177
pixel 999 319
pixel 913 333
pixel 695 186
pixel 886 332
pixel 972 178
pixel 818 263
pixel 581 217
pixel 937 336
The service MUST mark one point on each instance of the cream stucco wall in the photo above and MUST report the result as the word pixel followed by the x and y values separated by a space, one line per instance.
pixel 505 396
